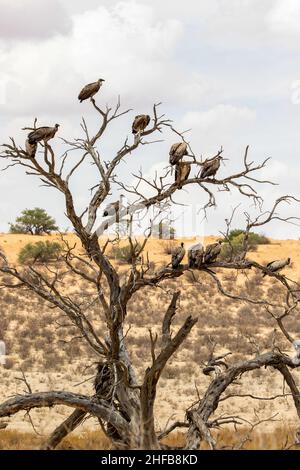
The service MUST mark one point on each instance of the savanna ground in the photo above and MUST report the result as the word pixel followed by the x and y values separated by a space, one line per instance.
pixel 41 343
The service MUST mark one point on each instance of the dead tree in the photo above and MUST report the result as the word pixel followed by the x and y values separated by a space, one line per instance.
pixel 123 405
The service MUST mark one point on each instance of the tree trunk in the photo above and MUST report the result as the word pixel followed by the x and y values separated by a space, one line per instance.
pixel 149 440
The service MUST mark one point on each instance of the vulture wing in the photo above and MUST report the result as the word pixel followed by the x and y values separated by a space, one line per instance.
pixel 210 168
pixel 270 265
pixel 140 123
pixel 89 91
pixel 38 134
pixel 42 133
pixel 177 256
pixel 182 172
pixel 177 151
pixel 211 252
pixel 30 148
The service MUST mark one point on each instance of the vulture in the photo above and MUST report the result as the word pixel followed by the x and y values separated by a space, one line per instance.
pixel 182 172
pixel 104 381
pixel 90 90
pixel 30 148
pixel 42 133
pixel 178 255
pixel 114 207
pixel 212 251
pixel 177 152
pixel 140 123
pixel 277 265
pixel 210 167
pixel 195 255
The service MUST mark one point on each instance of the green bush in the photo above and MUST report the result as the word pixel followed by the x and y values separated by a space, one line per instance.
pixel 253 238
pixel 42 252
pixel 124 253
pixel 236 245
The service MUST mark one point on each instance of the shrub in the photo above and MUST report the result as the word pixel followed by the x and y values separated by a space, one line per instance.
pixel 40 251
pixel 236 245
pixel 168 247
pixel 124 253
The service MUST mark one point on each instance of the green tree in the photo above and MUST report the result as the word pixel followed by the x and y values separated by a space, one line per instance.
pixel 40 251
pixel 35 221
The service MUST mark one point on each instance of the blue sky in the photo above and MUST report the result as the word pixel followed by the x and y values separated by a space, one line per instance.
pixel 229 70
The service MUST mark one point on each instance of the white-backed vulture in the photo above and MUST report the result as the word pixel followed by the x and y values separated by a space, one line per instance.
pixel 177 152
pixel 195 255
pixel 212 251
pixel 30 148
pixel 140 123
pixel 275 266
pixel 210 167
pixel 178 255
pixel 182 172
pixel 42 133
pixel 90 90
pixel 114 207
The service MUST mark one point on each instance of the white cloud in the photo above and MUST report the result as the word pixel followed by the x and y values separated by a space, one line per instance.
pixel 284 18
pixel 218 126
pixel 31 19
pixel 123 45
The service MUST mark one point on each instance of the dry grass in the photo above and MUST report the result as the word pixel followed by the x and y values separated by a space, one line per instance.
pixel 95 440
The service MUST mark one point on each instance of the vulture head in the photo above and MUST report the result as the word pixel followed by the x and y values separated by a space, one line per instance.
pixel 288 260
pixel 101 80
pixel 57 126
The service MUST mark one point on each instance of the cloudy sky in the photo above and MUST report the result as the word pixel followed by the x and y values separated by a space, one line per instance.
pixel 227 70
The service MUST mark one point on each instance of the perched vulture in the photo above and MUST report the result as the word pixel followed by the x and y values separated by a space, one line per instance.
pixel 114 207
pixel 30 148
pixel 90 90
pixel 104 381
pixel 210 167
pixel 212 252
pixel 195 255
pixel 177 152
pixel 182 172
pixel 42 133
pixel 140 123
pixel 178 255
pixel 277 265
